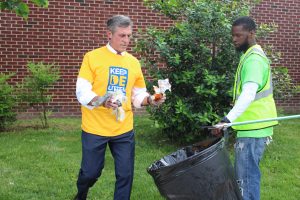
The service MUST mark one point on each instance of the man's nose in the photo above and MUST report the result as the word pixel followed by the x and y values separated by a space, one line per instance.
pixel 126 38
pixel 233 39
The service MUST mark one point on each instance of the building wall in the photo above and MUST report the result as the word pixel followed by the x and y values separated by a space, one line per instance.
pixel 286 14
pixel 62 34
pixel 66 30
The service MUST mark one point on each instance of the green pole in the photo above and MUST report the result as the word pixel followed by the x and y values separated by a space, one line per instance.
pixel 262 120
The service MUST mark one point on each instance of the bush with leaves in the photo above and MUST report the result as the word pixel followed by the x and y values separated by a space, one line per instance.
pixel 198 58
pixel 34 91
pixel 7 102
pixel 20 7
pixel 284 88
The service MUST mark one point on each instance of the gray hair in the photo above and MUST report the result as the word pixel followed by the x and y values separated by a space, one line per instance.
pixel 118 21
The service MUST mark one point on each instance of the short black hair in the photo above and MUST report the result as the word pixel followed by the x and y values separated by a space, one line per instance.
pixel 247 22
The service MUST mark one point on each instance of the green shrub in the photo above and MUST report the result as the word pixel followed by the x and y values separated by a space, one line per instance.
pixel 21 8
pixel 34 91
pixel 7 102
pixel 199 60
pixel 284 88
pixel 198 57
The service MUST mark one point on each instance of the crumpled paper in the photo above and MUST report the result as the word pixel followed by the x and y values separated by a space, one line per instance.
pixel 119 98
pixel 163 86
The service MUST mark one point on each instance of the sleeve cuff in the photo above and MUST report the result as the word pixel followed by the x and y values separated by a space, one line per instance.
pixel 138 99
pixel 89 107
pixel 225 120
pixel 138 96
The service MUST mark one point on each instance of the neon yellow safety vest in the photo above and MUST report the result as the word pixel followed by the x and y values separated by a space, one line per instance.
pixel 263 106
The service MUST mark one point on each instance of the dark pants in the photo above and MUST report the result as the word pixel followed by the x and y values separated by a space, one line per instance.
pixel 93 154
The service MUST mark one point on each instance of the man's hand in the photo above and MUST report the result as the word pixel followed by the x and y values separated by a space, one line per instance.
pixel 158 102
pixel 218 128
pixel 96 101
pixel 109 103
pixel 102 101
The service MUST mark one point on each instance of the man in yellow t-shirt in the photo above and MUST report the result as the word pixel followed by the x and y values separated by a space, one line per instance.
pixel 104 71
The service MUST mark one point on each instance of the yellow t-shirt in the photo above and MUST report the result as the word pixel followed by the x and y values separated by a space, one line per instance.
pixel 108 72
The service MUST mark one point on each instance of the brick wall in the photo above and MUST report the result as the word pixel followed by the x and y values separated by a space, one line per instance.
pixel 66 30
pixel 62 34
pixel 286 14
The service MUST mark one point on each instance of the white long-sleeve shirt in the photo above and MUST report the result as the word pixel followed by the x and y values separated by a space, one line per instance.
pixel 247 96
pixel 85 94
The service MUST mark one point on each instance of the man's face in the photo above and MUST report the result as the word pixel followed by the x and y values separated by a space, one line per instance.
pixel 119 40
pixel 240 37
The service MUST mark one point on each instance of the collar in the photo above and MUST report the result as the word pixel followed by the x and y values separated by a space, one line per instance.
pixel 253 46
pixel 113 50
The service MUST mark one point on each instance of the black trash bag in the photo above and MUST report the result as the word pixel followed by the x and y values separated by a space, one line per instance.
pixel 201 171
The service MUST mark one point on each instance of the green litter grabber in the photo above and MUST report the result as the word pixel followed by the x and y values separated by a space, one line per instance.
pixel 226 125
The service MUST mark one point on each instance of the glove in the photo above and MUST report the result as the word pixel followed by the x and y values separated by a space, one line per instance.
pixel 225 120
pixel 218 128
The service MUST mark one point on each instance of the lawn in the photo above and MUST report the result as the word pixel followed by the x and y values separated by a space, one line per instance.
pixel 43 163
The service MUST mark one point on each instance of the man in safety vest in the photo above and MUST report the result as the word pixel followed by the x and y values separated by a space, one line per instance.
pixel 253 100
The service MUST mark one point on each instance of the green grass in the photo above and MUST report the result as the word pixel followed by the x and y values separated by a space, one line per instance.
pixel 281 163
pixel 43 163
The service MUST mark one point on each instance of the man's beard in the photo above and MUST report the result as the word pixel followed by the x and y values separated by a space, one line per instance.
pixel 243 48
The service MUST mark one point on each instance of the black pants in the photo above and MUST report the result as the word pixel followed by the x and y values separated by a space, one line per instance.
pixel 93 155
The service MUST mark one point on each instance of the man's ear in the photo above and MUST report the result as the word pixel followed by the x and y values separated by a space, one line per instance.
pixel 253 33
pixel 109 35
